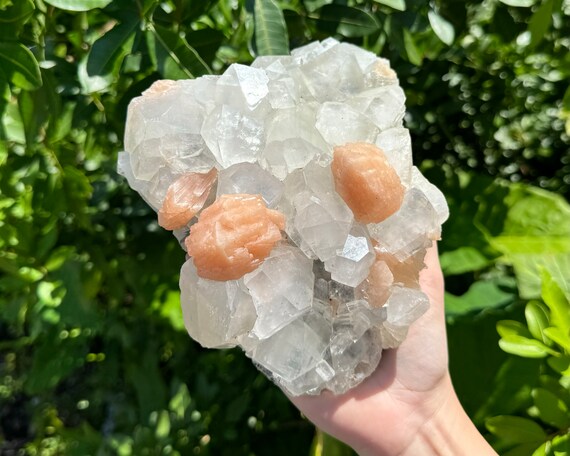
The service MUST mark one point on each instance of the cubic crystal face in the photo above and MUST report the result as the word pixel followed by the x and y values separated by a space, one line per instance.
pixel 291 184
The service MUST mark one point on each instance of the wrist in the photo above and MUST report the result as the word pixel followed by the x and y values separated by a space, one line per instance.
pixel 448 432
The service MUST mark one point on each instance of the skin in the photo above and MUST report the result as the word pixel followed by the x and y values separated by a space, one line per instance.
pixel 408 405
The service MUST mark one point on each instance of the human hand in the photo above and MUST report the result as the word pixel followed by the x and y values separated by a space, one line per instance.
pixel 408 405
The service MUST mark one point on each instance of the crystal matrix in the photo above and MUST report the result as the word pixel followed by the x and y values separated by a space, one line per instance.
pixel 292 186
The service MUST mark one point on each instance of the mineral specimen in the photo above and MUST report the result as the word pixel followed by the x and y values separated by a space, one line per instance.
pixel 290 183
pixel 233 236
pixel 184 198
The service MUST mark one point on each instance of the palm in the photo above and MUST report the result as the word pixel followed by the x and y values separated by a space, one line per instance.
pixel 403 392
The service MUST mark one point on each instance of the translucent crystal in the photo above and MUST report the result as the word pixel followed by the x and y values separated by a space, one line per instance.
pixel 333 75
pixel 408 230
pixel 396 144
pixel 405 306
pixel 340 124
pixel 233 136
pixel 281 288
pixel 294 355
pixel 248 83
pixel 432 193
pixel 248 178
pixel 384 106
pixel 215 313
pixel 350 265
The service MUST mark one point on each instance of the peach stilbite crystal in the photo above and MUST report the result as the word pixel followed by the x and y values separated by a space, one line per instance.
pixel 233 236
pixel 184 199
pixel 367 183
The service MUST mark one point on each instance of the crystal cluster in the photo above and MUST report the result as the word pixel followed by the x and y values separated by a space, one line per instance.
pixel 290 184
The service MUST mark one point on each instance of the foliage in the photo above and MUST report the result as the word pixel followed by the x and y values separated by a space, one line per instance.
pixel 545 335
pixel 94 358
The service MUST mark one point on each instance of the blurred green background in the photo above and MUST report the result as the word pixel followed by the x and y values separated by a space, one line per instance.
pixel 94 358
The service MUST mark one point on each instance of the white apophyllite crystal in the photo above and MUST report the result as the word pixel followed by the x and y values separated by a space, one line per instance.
pixel 351 265
pixel 248 178
pixel 215 313
pixel 281 288
pixel 315 309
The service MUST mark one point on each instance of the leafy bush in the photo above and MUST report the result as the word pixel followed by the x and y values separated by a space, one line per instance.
pixel 94 357
pixel 545 335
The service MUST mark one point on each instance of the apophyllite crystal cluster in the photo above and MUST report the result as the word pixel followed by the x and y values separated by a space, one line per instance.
pixel 290 185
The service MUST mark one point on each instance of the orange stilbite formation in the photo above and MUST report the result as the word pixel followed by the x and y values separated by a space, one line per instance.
pixel 367 183
pixel 184 199
pixel 233 236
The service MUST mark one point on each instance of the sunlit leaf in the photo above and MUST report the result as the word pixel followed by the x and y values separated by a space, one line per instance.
pixel 515 429
pixel 78 5
pixel 173 56
pixel 412 51
pixel 20 66
pixel 558 336
pixel 271 36
pixel 481 295
pixel 557 302
pixel 463 259
pixel 525 347
pixel 550 408
pixel 442 28
pixel 163 425
pixel 537 318
pixel 519 3
pixel 346 20
pixel 560 364
pixel 507 328
pixel 108 52
pixel 399 5
pixel 326 445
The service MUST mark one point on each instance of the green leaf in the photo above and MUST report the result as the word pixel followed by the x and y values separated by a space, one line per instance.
pixel 543 449
pixel 19 12
pixel 412 51
pixel 527 269
pixel 550 408
pixel 173 56
pixel 519 3
pixel 521 450
pixel 78 5
pixel 558 336
pixel 441 27
pixel 537 318
pixel 53 360
pixel 515 429
pixel 525 347
pixel 540 23
pixel 181 401
pixel 20 66
pixel 399 5
pixel 533 233
pixel 461 260
pixel 345 20
pixel 108 52
pixel 163 425
pixel 561 445
pixel 507 328
pixel 558 303
pixel 560 364
pixel 271 36
pixel 481 295
pixel 325 445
